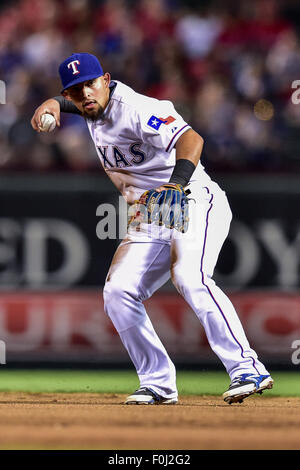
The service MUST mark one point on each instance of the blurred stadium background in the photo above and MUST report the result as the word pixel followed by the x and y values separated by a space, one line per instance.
pixel 229 67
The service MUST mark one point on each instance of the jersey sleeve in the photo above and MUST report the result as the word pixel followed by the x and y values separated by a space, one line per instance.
pixel 161 125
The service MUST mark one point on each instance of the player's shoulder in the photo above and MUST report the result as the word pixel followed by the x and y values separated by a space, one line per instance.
pixel 141 104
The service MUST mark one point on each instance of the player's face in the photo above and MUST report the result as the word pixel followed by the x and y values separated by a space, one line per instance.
pixel 90 97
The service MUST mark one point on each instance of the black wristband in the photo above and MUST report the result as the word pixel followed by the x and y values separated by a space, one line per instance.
pixel 66 106
pixel 182 172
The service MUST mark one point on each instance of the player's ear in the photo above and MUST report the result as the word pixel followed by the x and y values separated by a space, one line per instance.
pixel 106 79
pixel 65 94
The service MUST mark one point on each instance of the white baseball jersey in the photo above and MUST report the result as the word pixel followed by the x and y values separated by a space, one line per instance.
pixel 135 141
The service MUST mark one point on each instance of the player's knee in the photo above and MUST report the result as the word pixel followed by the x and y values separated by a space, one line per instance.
pixel 116 291
pixel 206 279
pixel 111 300
pixel 112 291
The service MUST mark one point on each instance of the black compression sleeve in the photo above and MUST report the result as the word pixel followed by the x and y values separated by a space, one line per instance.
pixel 66 106
pixel 182 172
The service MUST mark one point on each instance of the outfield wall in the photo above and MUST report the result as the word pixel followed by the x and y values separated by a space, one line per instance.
pixel 72 327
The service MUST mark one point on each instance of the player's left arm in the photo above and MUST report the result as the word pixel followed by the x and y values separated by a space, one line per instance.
pixel 162 203
pixel 188 152
pixel 168 204
pixel 189 147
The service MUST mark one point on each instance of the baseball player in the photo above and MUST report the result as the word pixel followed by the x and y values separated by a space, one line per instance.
pixel 153 157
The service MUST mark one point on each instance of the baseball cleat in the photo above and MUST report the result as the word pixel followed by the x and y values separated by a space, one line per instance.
pixel 146 396
pixel 245 385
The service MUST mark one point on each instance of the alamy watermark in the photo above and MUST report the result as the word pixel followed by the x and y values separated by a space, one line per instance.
pixel 2 352
pixel 296 353
pixel 2 92
pixel 115 222
pixel 296 94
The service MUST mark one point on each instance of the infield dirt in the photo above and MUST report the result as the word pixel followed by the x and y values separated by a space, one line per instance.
pixel 101 421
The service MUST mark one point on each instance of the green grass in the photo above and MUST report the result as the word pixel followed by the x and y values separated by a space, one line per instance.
pixel 103 381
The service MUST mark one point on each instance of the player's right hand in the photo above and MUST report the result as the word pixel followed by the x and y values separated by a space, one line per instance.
pixel 50 106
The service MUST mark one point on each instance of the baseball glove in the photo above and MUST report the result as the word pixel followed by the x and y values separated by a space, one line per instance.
pixel 169 207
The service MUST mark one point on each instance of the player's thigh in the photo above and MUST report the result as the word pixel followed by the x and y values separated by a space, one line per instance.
pixel 140 267
pixel 198 249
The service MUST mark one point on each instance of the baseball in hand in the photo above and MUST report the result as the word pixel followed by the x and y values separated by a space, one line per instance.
pixel 47 123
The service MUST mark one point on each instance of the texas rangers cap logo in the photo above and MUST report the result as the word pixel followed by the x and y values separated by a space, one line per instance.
pixel 78 68
pixel 73 65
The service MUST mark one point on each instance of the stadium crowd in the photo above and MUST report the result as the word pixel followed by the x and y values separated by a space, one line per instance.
pixel 228 67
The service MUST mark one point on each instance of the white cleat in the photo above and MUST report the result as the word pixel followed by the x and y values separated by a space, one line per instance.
pixel 245 385
pixel 146 396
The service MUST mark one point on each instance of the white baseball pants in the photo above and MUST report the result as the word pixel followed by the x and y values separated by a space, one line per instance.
pixel 145 260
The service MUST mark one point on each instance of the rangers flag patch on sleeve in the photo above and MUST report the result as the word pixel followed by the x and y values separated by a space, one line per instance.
pixel 156 122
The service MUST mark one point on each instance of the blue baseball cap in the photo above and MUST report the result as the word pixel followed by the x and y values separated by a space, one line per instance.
pixel 78 68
